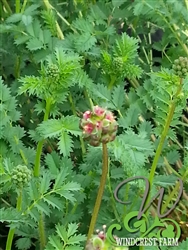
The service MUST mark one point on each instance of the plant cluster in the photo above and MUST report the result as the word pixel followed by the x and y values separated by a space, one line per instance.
pixel 91 93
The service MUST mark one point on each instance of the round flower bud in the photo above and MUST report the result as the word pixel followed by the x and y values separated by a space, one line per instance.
pixel 98 126
pixel 180 66
pixel 21 175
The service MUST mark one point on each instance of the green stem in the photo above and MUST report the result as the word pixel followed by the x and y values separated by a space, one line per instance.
pixel 40 144
pixel 42 235
pixel 186 3
pixel 163 136
pixel 37 173
pixel 17 6
pixel 112 81
pixel 100 192
pixel 59 31
pixel 12 230
pixel 23 6
pixel 7 7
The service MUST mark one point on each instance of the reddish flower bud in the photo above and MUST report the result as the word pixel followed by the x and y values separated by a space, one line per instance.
pixel 110 117
pixel 87 115
pixel 88 128
pixel 98 126
pixel 98 111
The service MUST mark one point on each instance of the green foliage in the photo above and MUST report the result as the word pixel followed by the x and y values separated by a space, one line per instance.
pixel 66 238
pixel 57 60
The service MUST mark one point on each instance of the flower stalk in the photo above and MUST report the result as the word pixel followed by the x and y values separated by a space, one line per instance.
pixel 12 230
pixel 163 135
pixel 99 126
pixel 100 192
pixel 40 144
pixel 37 173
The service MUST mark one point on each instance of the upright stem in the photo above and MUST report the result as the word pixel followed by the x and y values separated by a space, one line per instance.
pixel 37 173
pixel 23 6
pixel 42 234
pixel 7 6
pixel 59 31
pixel 163 136
pixel 100 192
pixel 113 79
pixel 40 144
pixel 12 230
pixel 17 6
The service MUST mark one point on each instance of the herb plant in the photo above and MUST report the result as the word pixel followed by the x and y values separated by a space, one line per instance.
pixel 91 93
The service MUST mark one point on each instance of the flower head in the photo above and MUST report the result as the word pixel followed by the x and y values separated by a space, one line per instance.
pixel 99 126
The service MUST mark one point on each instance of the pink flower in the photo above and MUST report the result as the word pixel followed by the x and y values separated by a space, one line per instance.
pixel 88 128
pixel 98 111
pixel 98 125
pixel 110 117
pixel 87 115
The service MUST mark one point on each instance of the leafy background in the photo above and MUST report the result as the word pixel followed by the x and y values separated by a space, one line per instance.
pixel 106 52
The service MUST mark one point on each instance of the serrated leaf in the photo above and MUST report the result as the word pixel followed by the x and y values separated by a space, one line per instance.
pixel 35 214
pixel 117 3
pixel 34 44
pixel 52 161
pixel 27 19
pixel 14 18
pixel 138 158
pixel 31 9
pixel 50 128
pixel 10 215
pixel 66 194
pixel 45 183
pixel 85 41
pixel 61 231
pixel 23 243
pixel 134 141
pixel 116 173
pixel 76 239
pixel 44 36
pixel 83 25
pixel 55 202
pixel 60 179
pixel 118 97
pixel 138 8
pixel 21 40
pixel 130 119
pixel 43 207
pixel 165 180
pixel 34 28
pixel 102 92
pixel 71 186
pixel 55 242
pixel 71 124
pixel 4 178
pixel 65 144
pixel 72 229
pixel 33 190
pixel 173 156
